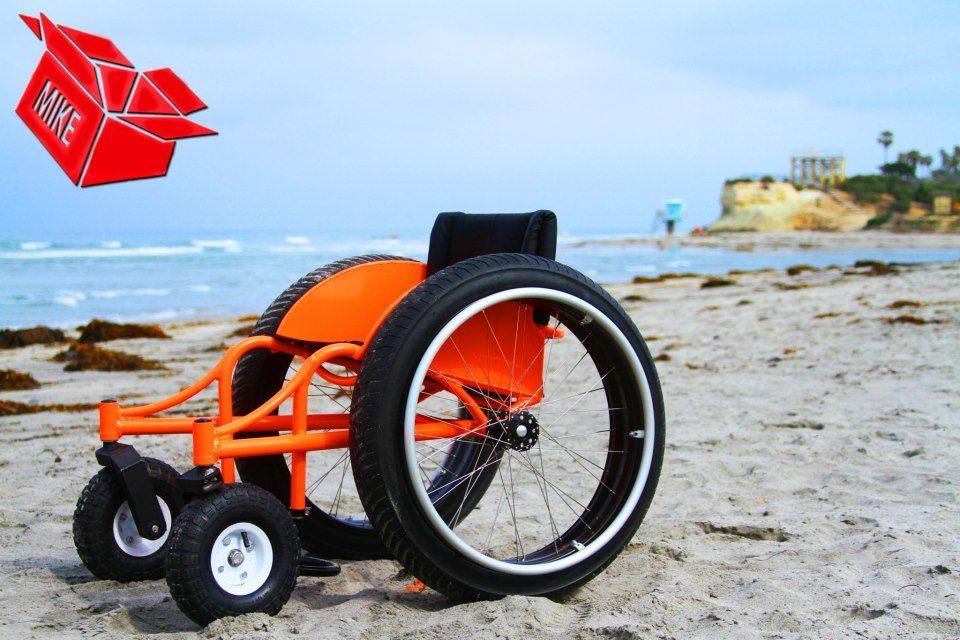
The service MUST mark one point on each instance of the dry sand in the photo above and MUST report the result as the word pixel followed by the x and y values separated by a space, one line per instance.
pixel 810 487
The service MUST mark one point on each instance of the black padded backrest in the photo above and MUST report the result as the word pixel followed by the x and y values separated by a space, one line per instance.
pixel 459 236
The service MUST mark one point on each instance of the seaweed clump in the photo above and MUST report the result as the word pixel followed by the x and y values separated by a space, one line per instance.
pixel 908 318
pixel 790 286
pixel 242 332
pixel 19 408
pixel 86 357
pixel 15 338
pixel 797 269
pixel 11 380
pixel 741 272
pixel 711 283
pixel 103 331
pixel 873 268
pixel 899 304
pixel 663 277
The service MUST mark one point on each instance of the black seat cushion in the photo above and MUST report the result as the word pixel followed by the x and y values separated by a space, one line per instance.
pixel 459 236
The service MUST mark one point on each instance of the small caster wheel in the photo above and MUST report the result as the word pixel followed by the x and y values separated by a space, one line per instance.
pixel 105 533
pixel 234 552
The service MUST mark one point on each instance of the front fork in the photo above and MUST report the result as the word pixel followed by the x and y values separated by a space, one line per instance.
pixel 131 469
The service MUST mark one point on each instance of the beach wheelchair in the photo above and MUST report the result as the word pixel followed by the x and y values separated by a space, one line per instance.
pixel 491 419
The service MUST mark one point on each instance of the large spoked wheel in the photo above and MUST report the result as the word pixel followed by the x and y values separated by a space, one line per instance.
pixel 581 447
pixel 106 535
pixel 336 525
pixel 232 553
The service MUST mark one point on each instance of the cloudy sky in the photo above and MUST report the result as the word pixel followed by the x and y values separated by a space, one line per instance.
pixel 375 116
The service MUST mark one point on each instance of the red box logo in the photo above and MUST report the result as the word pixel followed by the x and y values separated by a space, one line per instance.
pixel 100 119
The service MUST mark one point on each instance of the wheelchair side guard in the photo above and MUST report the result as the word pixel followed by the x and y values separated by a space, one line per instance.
pixel 137 487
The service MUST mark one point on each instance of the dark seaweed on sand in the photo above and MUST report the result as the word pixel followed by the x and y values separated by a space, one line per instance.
pixel 103 330
pixel 86 357
pixel 15 338
pixel 11 380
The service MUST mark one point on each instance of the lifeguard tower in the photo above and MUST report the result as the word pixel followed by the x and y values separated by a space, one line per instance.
pixel 675 211
pixel 818 171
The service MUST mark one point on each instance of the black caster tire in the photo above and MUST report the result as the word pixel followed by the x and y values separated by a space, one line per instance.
pixel 104 532
pixel 231 553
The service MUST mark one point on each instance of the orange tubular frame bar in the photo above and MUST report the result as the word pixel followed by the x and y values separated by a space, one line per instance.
pixel 213 436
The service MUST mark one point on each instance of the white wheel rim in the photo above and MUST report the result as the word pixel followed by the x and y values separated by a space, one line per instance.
pixel 413 469
pixel 127 537
pixel 241 559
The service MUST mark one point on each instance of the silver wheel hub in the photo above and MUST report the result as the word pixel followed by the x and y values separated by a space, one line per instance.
pixel 235 558
pixel 519 431
pixel 241 559
pixel 127 537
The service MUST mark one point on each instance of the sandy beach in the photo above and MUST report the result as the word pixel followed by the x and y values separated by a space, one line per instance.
pixel 809 490
pixel 788 241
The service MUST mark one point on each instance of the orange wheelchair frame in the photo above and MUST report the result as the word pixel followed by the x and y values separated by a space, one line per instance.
pixel 443 362
pixel 363 296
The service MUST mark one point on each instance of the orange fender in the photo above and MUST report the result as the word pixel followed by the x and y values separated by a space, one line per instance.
pixel 349 306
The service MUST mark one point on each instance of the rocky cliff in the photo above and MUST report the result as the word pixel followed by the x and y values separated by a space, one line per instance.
pixel 750 205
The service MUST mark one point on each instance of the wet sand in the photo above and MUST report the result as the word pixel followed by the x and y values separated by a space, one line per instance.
pixel 792 241
pixel 810 485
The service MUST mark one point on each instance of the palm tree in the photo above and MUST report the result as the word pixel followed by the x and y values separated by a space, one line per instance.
pixel 885 139
pixel 911 158
pixel 950 162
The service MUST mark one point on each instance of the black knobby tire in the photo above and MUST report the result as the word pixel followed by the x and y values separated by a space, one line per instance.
pixel 260 374
pixel 377 440
pixel 93 525
pixel 198 529
pixel 257 377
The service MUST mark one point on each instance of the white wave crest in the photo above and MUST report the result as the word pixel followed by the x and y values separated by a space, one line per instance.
pixel 69 298
pixel 229 246
pixel 66 254
pixel 34 246
pixel 111 294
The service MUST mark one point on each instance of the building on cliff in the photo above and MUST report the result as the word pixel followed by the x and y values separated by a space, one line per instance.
pixel 813 170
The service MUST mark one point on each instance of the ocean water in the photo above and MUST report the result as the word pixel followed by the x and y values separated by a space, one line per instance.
pixel 181 276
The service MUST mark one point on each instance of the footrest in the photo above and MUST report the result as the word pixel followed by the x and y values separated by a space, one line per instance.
pixel 310 566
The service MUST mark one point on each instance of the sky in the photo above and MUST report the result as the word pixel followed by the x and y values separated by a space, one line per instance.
pixel 375 116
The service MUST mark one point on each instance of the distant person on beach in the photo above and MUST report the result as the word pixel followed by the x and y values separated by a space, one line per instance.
pixel 660 218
